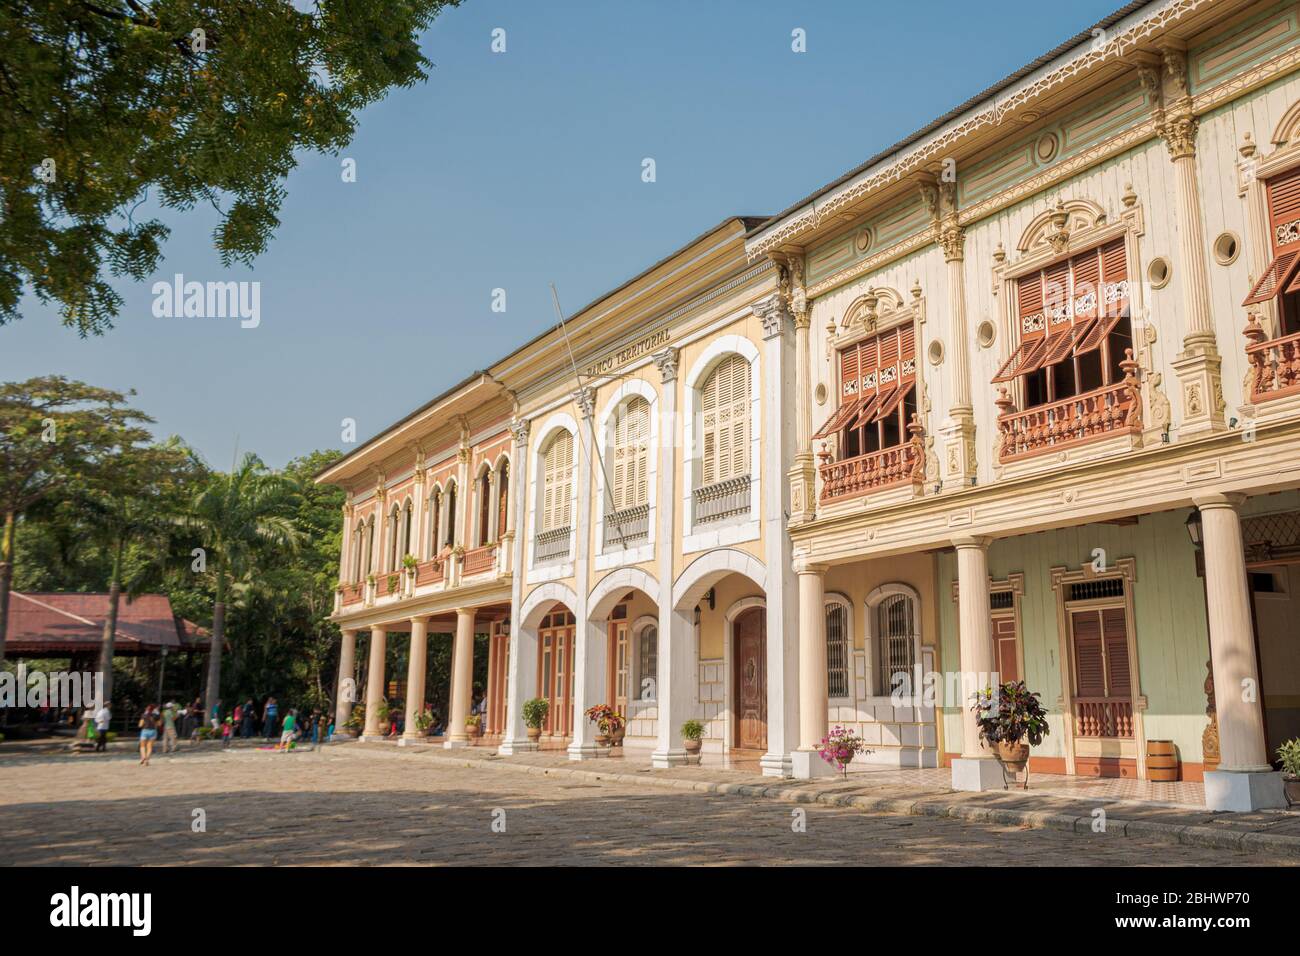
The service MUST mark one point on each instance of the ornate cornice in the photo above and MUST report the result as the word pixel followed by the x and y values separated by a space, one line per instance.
pixel 936 148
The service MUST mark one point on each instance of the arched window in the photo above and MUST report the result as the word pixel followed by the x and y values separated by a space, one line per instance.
pixel 631 455
pixel 358 542
pixel 838 644
pixel 449 535
pixel 407 515
pixel 647 670
pixel 896 642
pixel 725 411
pixel 394 556
pixel 503 499
pixel 370 545
pixel 435 522
pixel 557 470
pixel 484 507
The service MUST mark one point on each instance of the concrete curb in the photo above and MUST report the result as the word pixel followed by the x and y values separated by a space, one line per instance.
pixel 1243 841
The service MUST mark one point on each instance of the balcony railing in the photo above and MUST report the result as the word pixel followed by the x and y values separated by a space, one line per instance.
pixel 1276 363
pixel 871 472
pixel 431 571
pixel 722 499
pixel 1103 717
pixel 389 583
pixel 552 545
pixel 627 526
pixel 480 559
pixel 1111 410
pixel 352 593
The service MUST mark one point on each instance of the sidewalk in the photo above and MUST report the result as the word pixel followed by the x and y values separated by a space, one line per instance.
pixel 892 792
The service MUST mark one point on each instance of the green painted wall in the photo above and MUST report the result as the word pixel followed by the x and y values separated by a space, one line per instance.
pixel 1169 608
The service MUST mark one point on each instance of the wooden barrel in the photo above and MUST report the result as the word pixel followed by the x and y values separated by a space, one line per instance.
pixel 1162 761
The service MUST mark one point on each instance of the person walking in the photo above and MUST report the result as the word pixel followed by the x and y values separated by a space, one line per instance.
pixel 169 727
pixel 270 713
pixel 247 728
pixel 216 716
pixel 148 733
pixel 227 731
pixel 103 717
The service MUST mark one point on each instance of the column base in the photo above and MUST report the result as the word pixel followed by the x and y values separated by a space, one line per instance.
pixel 977 774
pixel 454 744
pixel 586 752
pixel 667 759
pixel 370 738
pixel 510 747
pixel 809 765
pixel 1198 368
pixel 412 740
pixel 776 765
pixel 1240 791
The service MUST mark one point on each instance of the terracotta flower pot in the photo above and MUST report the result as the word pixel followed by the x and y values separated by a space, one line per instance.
pixel 602 739
pixel 692 748
pixel 616 736
pixel 534 734
pixel 1014 756
pixel 1291 785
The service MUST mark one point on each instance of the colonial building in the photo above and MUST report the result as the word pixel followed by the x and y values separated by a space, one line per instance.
pixel 1019 396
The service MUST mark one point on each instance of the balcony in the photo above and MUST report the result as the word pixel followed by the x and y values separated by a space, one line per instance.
pixel 1103 717
pixel 552 545
pixel 430 572
pixel 1276 364
pixel 1112 410
pixel 722 499
pixel 873 471
pixel 627 527
pixel 479 560
pixel 353 593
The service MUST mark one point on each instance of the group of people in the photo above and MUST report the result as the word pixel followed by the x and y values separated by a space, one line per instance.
pixel 173 721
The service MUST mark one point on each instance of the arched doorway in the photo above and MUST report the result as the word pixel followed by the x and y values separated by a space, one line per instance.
pixel 749 679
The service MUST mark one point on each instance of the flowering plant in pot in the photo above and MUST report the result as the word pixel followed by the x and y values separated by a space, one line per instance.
pixel 692 731
pixel 535 711
pixel 1006 718
pixel 607 720
pixel 839 747
pixel 474 724
pixel 1289 754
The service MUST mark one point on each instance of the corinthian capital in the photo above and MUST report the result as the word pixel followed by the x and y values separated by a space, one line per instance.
pixel 1179 133
pixel 773 313
pixel 519 429
pixel 586 399
pixel 952 238
pixel 666 362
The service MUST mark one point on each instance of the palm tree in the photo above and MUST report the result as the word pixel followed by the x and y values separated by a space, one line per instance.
pixel 235 518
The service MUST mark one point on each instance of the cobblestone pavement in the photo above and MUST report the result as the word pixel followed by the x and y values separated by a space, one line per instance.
pixel 351 805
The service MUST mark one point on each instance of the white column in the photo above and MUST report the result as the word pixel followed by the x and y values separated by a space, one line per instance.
pixel 521 667
pixel 676 681
pixel 976 768
pixel 462 678
pixel 959 428
pixel 782 602
pixel 373 730
pixel 1244 779
pixel 813 697
pixel 346 694
pixel 589 676
pixel 417 665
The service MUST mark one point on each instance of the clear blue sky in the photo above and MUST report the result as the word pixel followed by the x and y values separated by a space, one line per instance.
pixel 514 170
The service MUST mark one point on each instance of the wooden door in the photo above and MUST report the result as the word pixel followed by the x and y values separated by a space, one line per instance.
pixel 749 662
pixel 1006 648
pixel 620 665
pixel 1103 694
pixel 555 672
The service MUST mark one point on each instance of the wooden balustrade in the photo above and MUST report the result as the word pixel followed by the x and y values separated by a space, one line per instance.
pixel 873 471
pixel 478 560
pixel 1102 413
pixel 1276 365
pixel 1103 717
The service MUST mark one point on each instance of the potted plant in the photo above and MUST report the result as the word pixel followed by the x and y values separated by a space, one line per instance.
pixel 423 721
pixel 1289 754
pixel 474 724
pixel 409 562
pixel 1008 717
pixel 393 581
pixel 606 719
pixel 840 746
pixel 535 711
pixel 692 731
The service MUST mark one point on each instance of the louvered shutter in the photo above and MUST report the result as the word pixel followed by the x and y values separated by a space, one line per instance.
pixel 1284 209
pixel 633 454
pixel 558 470
pixel 1114 625
pixel 1085 284
pixel 907 353
pixel 1057 304
pixel 740 417
pixel 1089 666
pixel 849 367
pixel 709 428
pixel 618 493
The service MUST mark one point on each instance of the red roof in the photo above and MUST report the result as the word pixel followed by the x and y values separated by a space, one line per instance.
pixel 61 623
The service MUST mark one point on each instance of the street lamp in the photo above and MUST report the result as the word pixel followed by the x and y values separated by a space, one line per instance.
pixel 1194 526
